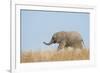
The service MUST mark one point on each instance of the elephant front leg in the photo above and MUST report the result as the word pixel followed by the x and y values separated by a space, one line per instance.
pixel 61 45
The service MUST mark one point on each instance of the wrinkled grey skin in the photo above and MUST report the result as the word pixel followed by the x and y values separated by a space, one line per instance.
pixel 67 39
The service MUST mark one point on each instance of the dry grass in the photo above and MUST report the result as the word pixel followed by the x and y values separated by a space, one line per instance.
pixel 62 55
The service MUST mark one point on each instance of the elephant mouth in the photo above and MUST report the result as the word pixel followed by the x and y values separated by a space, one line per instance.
pixel 54 41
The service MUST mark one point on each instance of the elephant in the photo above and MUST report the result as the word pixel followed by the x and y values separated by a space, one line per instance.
pixel 67 39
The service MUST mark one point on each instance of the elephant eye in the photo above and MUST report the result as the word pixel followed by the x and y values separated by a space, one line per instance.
pixel 52 38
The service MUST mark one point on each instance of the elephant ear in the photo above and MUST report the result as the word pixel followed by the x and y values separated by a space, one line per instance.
pixel 62 39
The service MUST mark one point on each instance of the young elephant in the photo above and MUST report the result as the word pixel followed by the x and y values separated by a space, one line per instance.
pixel 67 39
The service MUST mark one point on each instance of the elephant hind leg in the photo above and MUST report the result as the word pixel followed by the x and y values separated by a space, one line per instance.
pixel 78 45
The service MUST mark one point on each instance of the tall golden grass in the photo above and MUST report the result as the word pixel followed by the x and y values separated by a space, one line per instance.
pixel 62 55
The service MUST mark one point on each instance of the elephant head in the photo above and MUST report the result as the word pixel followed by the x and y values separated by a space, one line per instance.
pixel 53 40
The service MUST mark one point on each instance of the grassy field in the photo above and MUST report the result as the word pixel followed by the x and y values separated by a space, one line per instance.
pixel 62 55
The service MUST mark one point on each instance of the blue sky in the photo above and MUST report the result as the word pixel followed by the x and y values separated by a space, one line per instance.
pixel 39 26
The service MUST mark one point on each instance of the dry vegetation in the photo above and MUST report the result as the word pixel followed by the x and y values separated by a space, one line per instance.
pixel 66 54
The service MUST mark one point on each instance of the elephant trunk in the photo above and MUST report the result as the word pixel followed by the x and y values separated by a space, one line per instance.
pixel 48 43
